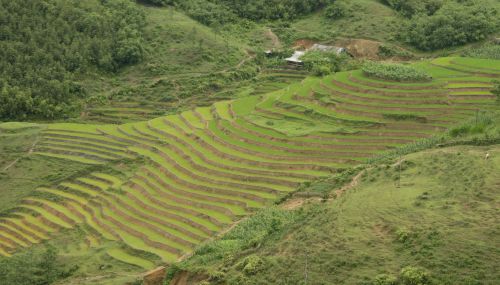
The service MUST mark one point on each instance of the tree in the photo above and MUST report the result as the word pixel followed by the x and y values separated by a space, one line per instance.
pixel 337 10
pixel 454 24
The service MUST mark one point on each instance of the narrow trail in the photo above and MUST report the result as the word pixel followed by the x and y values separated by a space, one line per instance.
pixel 274 38
pixel 295 203
pixel 249 57
pixel 30 151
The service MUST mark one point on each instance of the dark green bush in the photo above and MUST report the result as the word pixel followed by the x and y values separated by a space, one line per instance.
pixel 396 72
pixel 251 264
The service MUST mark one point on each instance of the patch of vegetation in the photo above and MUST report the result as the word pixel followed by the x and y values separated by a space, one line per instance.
pixel 396 72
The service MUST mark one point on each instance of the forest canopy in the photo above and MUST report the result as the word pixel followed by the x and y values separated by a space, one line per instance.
pixel 44 44
pixel 222 11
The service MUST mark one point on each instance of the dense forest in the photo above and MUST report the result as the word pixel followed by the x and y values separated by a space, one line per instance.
pixel 45 45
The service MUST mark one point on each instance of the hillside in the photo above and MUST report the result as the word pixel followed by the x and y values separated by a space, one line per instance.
pixel 150 192
pixel 440 224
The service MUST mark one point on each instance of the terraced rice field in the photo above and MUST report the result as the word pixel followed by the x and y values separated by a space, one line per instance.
pixel 205 168
pixel 120 112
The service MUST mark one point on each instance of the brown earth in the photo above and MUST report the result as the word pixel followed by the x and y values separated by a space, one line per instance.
pixel 187 278
pixel 360 48
pixel 298 202
pixel 303 44
pixel 155 276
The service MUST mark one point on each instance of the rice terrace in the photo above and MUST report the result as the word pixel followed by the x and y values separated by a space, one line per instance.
pixel 192 149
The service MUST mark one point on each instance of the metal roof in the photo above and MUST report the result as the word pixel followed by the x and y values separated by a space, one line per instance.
pixel 296 56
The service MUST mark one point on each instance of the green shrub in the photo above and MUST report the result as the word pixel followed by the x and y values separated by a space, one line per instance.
pixel 384 279
pixel 414 276
pixel 403 235
pixel 252 264
pixel 321 70
pixel 396 72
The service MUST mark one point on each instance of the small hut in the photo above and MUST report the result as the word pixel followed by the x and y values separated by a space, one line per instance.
pixel 295 58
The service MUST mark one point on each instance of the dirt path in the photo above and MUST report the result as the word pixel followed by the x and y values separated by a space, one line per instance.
pixel 249 57
pixel 295 203
pixel 276 43
pixel 30 151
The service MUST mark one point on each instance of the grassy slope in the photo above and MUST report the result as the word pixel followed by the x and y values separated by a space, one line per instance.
pixel 368 19
pixel 442 218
